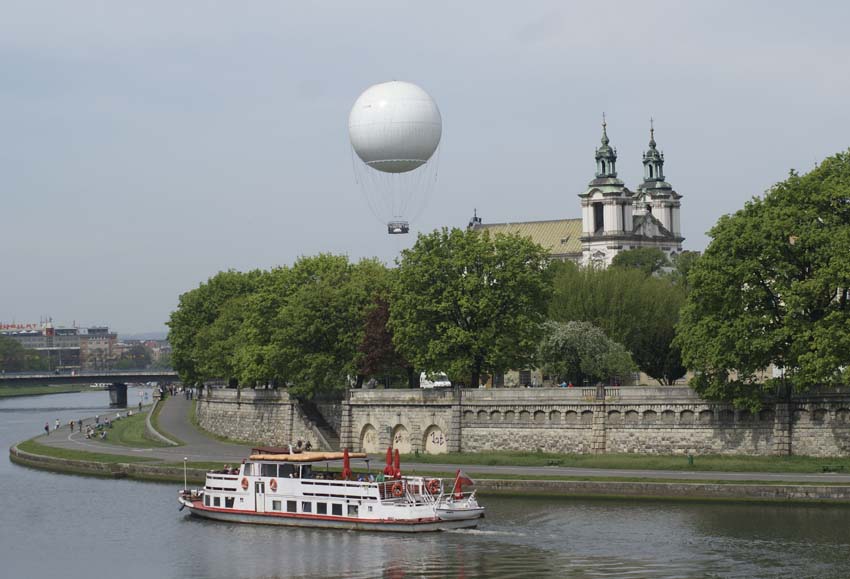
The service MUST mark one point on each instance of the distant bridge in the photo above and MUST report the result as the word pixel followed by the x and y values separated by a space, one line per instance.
pixel 110 377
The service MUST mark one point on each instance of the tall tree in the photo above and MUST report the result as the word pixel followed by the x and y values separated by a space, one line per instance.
pixel 649 260
pixel 377 353
pixel 633 308
pixel 772 288
pixel 317 322
pixel 15 358
pixel 198 309
pixel 579 351
pixel 464 302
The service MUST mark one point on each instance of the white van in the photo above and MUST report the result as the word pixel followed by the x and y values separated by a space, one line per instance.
pixel 434 380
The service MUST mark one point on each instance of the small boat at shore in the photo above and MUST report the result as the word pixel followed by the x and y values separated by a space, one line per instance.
pixel 281 487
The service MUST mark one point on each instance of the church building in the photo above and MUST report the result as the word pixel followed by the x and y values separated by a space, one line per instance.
pixel 613 218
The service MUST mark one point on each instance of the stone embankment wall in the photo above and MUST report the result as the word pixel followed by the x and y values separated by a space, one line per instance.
pixel 267 417
pixel 574 420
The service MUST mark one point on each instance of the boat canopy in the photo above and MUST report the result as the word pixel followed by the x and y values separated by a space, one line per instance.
pixel 306 456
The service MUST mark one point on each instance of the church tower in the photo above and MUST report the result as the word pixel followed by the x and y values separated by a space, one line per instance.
pixel 656 203
pixel 606 209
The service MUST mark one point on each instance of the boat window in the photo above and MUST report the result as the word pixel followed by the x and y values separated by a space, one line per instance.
pixel 306 507
pixel 306 471
pixel 246 468
pixel 228 502
pixel 352 510
pixel 291 506
pixel 206 500
pixel 275 505
pixel 369 508
pixel 268 469
pixel 286 470
pixel 216 502
pixel 336 509
pixel 322 508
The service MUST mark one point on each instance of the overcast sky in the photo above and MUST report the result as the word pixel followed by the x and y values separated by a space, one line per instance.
pixel 144 146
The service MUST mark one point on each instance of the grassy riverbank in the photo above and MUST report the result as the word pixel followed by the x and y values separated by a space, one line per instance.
pixel 11 391
pixel 35 448
pixel 130 432
pixel 707 463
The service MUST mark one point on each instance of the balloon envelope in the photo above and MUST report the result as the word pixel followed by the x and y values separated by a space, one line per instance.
pixel 395 127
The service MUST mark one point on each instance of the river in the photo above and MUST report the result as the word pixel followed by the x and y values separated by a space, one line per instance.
pixel 63 526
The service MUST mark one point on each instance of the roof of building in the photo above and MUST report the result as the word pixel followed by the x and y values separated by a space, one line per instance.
pixel 558 236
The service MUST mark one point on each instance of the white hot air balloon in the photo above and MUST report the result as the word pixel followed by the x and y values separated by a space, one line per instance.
pixel 395 128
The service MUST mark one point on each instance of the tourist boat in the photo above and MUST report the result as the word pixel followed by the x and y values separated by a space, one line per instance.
pixel 281 487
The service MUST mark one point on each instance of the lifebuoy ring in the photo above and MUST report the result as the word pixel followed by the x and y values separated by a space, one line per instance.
pixel 244 484
pixel 397 490
pixel 273 485
pixel 434 486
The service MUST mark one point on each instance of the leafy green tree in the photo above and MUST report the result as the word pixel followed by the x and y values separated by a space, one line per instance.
pixel 635 309
pixel 196 311
pixel 464 302
pixel 649 260
pixel 772 288
pixel 15 358
pixel 579 351
pixel 301 325
pixel 682 265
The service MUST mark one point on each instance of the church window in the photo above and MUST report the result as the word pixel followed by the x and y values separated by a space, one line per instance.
pixel 650 171
pixel 603 167
pixel 598 217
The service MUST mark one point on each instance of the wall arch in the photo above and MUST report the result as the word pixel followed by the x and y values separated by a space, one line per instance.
pixel 483 416
pixel 615 418
pixel 434 441
pixel 587 417
pixel 650 416
pixel 495 416
pixel 401 439
pixel 539 417
pixel 369 439
pixel 686 417
pixel 668 417
pixel 706 417
pixel 571 417
pixel 631 417
pixel 555 416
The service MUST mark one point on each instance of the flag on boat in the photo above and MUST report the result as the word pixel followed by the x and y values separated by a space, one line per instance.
pixel 462 479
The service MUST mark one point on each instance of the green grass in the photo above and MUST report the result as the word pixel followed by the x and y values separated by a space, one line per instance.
pixel 36 448
pixel 155 423
pixel 129 431
pixel 9 391
pixel 707 463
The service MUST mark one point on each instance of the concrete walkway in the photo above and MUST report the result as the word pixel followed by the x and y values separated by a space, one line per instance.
pixel 174 420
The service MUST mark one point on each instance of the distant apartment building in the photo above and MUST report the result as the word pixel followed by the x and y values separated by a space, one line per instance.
pixel 66 349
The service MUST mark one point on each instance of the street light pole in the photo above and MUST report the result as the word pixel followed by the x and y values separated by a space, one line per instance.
pixel 185 484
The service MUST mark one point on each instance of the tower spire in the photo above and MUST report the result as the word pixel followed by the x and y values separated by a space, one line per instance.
pixel 606 156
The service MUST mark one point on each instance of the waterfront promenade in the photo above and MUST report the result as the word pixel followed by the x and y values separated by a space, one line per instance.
pixel 174 420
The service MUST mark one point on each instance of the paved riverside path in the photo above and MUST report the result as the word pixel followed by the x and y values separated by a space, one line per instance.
pixel 174 421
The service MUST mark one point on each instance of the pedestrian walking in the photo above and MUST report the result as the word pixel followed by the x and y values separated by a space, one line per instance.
pixel 80 424
pixel 56 424
pixel 71 424
pixel 140 405
pixel 47 428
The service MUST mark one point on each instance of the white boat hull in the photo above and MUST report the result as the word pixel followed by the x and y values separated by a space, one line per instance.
pixel 456 520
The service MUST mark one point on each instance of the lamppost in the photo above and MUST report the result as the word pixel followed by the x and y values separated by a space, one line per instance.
pixel 185 483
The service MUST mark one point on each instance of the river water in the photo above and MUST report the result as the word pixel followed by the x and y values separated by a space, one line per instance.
pixel 63 526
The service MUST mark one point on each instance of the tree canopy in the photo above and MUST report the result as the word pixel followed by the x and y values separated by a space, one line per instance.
pixel 579 351
pixel 772 288
pixel 464 302
pixel 15 358
pixel 633 308
pixel 649 260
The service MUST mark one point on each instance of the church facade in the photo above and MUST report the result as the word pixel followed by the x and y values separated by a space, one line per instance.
pixel 613 218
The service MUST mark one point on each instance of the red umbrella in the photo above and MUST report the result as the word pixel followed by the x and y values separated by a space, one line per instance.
pixel 346 465
pixel 388 469
pixel 397 469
